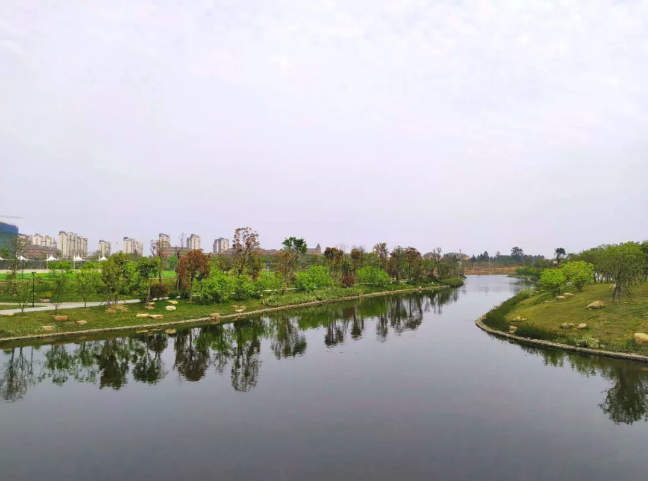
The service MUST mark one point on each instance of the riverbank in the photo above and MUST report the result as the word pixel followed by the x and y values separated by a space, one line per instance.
pixel 92 320
pixel 544 320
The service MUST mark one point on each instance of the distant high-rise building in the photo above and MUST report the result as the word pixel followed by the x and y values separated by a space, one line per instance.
pixel 43 240
pixel 133 246
pixel 221 245
pixel 72 245
pixel 164 241
pixel 104 248
pixel 193 242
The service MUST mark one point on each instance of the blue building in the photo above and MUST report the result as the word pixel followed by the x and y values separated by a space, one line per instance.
pixel 8 234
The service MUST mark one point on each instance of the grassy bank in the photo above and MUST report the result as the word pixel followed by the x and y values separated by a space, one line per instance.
pixel 611 328
pixel 97 317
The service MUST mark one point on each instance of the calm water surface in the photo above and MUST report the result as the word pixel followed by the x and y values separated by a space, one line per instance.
pixel 393 388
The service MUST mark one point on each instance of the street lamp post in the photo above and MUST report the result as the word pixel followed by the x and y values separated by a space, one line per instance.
pixel 33 288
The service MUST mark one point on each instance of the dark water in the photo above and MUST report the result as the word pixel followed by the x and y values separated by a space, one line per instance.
pixel 393 388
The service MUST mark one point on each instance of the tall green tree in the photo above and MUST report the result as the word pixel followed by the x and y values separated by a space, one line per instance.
pixel 147 268
pixel 114 275
pixel 60 274
pixel 624 264
pixel 287 259
pixel 87 281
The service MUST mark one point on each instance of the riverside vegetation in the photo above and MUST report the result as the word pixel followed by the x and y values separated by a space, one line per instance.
pixel 596 299
pixel 207 285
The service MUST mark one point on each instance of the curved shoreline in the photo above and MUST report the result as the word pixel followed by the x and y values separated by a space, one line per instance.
pixel 538 342
pixel 209 320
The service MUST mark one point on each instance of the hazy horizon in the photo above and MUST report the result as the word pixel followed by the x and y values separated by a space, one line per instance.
pixel 467 126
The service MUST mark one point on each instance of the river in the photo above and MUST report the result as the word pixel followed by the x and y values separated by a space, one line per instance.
pixel 391 388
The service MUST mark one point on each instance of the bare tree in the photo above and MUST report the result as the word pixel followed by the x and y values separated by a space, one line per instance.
pixel 246 246
pixel 178 253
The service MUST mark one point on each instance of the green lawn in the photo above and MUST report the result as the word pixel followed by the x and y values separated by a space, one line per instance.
pixel 97 318
pixel 614 326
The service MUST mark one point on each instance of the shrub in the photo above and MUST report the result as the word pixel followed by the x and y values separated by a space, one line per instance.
pixel 590 342
pixel 453 282
pixel 553 280
pixel 348 281
pixel 578 273
pixel 316 277
pixel 48 295
pixel 267 281
pixel 159 291
pixel 217 287
pixel 243 288
pixel 173 295
pixel 373 276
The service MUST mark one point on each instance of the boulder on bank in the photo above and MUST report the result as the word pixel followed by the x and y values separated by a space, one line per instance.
pixel 568 294
pixel 567 325
pixel 60 318
pixel 512 329
pixel 560 298
pixel 518 319
pixel 48 328
pixel 80 323
pixel 581 326
pixel 171 308
pixel 157 317
pixel 596 305
pixel 174 303
pixel 641 338
pixel 8 314
pixel 215 315
pixel 142 315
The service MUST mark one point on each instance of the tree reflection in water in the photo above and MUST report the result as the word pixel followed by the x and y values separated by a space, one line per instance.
pixel 236 347
pixel 626 401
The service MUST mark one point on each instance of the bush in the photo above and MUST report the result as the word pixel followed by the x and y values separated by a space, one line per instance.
pixel 453 282
pixel 529 271
pixel 373 276
pixel 243 289
pixel 316 277
pixel 217 287
pixel 348 281
pixel 578 273
pixel 159 291
pixel 590 342
pixel 267 281
pixel 173 295
pixel 553 280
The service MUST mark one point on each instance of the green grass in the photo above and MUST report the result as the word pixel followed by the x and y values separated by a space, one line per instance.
pixel 97 318
pixel 614 326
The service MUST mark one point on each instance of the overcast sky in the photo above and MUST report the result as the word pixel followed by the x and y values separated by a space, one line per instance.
pixel 468 125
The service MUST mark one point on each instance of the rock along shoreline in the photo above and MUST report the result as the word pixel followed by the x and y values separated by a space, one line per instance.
pixel 226 317
pixel 556 345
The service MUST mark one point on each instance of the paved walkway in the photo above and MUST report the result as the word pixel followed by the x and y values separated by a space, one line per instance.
pixel 65 305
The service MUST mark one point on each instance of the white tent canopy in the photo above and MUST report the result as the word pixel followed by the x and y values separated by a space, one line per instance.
pixel 1 259
pixel 21 258
pixel 77 258
pixel 102 259
pixel 51 258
